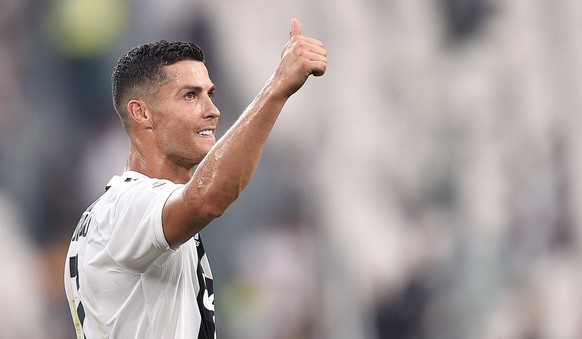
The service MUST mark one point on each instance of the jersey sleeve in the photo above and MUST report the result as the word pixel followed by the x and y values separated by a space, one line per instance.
pixel 137 238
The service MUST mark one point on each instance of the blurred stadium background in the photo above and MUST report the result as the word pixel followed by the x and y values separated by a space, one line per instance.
pixel 427 187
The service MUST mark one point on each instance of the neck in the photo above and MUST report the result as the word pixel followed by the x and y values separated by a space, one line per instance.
pixel 154 165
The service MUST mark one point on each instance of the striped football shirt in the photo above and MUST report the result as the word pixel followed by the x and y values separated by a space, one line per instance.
pixel 122 279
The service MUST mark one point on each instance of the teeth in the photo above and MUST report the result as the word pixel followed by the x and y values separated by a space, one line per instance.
pixel 206 132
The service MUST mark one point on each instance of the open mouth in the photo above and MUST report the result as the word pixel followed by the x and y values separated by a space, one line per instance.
pixel 206 132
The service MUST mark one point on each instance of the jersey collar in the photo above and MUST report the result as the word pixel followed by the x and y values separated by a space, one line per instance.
pixel 127 176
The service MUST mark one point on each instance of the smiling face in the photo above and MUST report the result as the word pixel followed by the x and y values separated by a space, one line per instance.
pixel 184 117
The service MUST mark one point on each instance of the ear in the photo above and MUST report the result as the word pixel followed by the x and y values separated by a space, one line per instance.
pixel 138 113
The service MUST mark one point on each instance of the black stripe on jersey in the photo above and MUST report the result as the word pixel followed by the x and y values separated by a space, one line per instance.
pixel 73 269
pixel 81 313
pixel 207 326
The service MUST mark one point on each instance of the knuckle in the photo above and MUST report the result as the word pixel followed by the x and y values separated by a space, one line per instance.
pixel 300 52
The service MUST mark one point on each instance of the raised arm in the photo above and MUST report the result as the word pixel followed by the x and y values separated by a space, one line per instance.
pixel 230 164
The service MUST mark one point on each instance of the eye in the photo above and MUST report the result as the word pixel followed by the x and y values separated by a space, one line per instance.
pixel 211 94
pixel 190 95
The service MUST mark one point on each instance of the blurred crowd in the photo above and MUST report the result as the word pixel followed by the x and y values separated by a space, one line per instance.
pixel 427 186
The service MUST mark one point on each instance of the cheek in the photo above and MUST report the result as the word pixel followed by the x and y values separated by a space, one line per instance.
pixel 171 135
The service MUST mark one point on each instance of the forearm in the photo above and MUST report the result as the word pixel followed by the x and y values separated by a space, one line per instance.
pixel 225 171
pixel 230 164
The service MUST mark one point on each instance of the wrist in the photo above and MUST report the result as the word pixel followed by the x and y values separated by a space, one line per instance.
pixel 277 89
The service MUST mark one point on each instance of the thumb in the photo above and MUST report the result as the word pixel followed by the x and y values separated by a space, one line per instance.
pixel 295 28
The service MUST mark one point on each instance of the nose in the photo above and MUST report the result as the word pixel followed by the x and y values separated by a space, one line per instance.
pixel 211 110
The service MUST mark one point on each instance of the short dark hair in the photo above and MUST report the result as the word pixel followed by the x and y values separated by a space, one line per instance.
pixel 142 66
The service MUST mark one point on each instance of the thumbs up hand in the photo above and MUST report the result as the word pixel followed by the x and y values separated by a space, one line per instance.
pixel 301 57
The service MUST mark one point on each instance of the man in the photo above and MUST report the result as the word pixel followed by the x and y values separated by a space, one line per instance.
pixel 136 267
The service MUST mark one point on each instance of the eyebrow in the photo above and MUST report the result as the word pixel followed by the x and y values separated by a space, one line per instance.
pixel 196 89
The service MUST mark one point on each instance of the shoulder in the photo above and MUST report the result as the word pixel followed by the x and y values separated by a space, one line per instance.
pixel 129 195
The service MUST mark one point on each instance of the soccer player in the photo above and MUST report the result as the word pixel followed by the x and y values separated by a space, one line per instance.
pixel 136 266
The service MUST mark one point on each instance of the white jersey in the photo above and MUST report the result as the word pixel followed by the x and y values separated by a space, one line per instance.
pixel 123 280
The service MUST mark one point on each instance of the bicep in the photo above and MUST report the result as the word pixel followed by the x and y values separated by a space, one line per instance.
pixel 185 214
